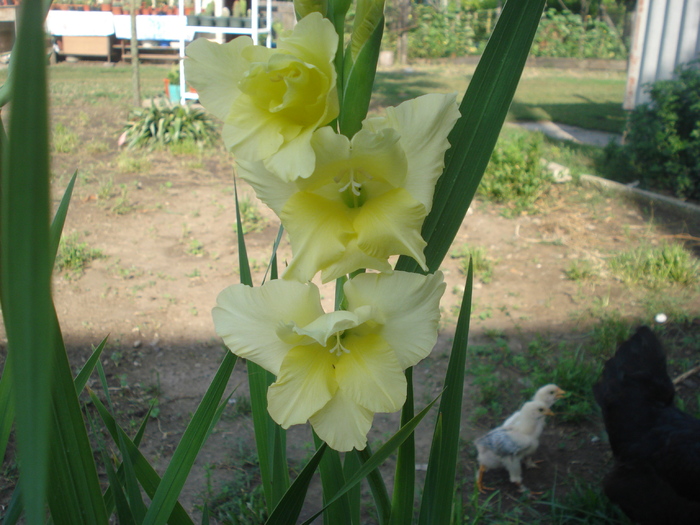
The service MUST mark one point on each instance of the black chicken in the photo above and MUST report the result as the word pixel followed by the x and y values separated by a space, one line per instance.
pixel 656 478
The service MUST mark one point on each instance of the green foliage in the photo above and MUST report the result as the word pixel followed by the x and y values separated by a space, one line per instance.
pixel 442 32
pixel 580 270
pixel 565 34
pixel 74 256
pixel 251 218
pixel 663 139
pixel 656 266
pixel 63 140
pixel 515 175
pixel 165 125
pixel 483 264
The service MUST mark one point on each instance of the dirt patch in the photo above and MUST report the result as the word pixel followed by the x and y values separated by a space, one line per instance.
pixel 164 226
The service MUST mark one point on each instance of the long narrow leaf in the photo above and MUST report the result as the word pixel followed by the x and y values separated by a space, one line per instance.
pixel 287 510
pixel 147 476
pixel 378 488
pixel 59 220
pixel 7 408
pixel 86 370
pixel 186 452
pixel 483 110
pixel 377 458
pixel 436 505
pixel 259 380
pixel 405 473
pixel 351 464
pixel 79 501
pixel 332 481
pixel 25 260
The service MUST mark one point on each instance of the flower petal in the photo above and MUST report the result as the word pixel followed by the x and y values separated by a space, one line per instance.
pixel 318 229
pixel 214 70
pixel 423 124
pixel 409 305
pixel 326 326
pixel 390 225
pixel 247 318
pixel 269 188
pixel 370 373
pixel 352 259
pixel 305 384
pixel 342 423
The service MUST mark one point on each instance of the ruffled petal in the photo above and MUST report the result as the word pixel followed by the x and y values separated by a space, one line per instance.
pixel 352 259
pixel 342 423
pixel 318 230
pixel 409 310
pixel 423 124
pixel 326 326
pixel 269 188
pixel 390 225
pixel 214 70
pixel 247 318
pixel 370 373
pixel 306 382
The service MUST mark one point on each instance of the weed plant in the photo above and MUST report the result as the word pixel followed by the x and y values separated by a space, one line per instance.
pixel 165 124
pixel 515 175
pixel 74 256
pixel 251 218
pixel 657 266
pixel 483 264
pixel 64 140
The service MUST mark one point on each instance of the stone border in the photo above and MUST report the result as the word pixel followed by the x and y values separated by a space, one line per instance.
pixel 671 203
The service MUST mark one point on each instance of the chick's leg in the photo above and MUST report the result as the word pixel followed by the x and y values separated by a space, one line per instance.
pixel 480 480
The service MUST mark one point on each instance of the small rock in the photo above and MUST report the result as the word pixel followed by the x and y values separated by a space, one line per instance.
pixel 137 343
pixel 560 173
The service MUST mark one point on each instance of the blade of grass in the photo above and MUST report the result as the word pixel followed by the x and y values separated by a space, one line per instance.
pixel 377 458
pixel 483 108
pixel 436 504
pixel 25 263
pixel 7 408
pixel 186 452
pixel 86 370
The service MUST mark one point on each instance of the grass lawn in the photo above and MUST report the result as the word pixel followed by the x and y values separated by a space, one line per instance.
pixel 588 99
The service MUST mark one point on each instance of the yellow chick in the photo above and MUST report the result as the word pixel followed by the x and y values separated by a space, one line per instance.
pixel 547 395
pixel 506 446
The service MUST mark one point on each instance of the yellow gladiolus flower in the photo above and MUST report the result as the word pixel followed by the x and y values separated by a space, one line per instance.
pixel 271 100
pixel 335 370
pixel 368 196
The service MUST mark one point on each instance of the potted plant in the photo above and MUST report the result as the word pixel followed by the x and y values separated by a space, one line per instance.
pixel 207 18
pixel 240 10
pixel 225 18
pixel 117 8
pixel 172 81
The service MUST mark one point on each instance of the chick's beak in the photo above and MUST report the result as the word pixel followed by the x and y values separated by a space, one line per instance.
pixel 560 394
pixel 548 412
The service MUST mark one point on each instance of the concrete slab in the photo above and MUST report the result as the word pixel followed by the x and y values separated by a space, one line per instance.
pixel 572 133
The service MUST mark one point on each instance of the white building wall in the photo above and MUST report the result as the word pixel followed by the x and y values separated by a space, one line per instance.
pixel 665 35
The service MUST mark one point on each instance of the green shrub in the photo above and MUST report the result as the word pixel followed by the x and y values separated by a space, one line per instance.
pixel 566 34
pixel 441 32
pixel 165 125
pixel 515 176
pixel 663 139
pixel 74 256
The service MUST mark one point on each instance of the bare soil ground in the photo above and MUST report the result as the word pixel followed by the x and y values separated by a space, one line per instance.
pixel 164 225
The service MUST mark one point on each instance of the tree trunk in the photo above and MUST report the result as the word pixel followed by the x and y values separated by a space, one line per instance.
pixel 135 74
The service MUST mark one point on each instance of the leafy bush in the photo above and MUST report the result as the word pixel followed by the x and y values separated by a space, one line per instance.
pixel 566 34
pixel 515 175
pixel 657 266
pixel 663 139
pixel 161 124
pixel 441 32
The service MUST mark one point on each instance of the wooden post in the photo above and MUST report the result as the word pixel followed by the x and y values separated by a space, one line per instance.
pixel 135 74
